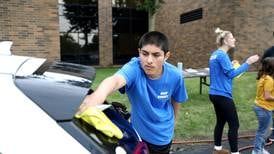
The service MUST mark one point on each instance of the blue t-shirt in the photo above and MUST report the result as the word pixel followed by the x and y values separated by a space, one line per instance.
pixel 152 113
pixel 222 73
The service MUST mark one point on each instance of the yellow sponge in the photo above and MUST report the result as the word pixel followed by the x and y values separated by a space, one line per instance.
pixel 100 121
pixel 236 64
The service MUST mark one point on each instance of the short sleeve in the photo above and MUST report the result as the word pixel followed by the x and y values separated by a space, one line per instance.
pixel 180 93
pixel 129 71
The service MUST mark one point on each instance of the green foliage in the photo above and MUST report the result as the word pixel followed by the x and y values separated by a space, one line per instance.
pixel 197 115
pixel 149 5
pixel 82 16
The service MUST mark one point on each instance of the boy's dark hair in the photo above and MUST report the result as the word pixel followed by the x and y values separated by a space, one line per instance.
pixel 267 67
pixel 154 38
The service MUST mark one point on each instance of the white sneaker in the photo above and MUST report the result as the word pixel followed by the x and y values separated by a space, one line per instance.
pixel 253 152
pixel 265 152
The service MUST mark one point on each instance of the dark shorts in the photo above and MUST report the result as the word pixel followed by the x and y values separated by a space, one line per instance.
pixel 158 149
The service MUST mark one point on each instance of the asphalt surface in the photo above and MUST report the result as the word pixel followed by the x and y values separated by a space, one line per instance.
pixel 245 147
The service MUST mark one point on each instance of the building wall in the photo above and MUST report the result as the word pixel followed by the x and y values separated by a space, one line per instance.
pixel 254 27
pixel 186 40
pixel 33 27
pixel 250 21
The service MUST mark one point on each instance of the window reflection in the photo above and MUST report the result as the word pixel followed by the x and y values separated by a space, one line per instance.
pixel 129 24
pixel 79 31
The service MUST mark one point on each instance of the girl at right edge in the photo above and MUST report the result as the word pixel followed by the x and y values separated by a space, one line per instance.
pixel 264 104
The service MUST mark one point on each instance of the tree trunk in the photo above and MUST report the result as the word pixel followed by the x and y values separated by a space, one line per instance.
pixel 86 39
pixel 151 21
pixel 151 18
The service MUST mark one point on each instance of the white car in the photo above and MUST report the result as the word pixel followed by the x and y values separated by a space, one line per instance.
pixel 38 102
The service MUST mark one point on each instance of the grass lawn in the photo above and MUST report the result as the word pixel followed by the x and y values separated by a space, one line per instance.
pixel 197 117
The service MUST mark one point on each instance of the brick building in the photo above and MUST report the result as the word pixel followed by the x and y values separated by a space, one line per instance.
pixel 32 26
pixel 37 29
pixel 251 22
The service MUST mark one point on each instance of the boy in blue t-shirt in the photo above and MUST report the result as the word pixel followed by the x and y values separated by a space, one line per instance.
pixel 154 88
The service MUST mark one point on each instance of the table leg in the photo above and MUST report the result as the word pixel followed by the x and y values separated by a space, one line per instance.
pixel 203 81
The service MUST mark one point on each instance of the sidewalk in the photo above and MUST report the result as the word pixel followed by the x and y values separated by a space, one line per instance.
pixel 206 148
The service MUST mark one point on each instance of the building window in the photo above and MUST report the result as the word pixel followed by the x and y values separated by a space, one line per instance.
pixel 129 24
pixel 79 31
pixel 191 16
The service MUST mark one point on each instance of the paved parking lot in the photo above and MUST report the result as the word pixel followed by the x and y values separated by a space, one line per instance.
pixel 245 147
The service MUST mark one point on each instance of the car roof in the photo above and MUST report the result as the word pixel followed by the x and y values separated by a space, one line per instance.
pixel 9 64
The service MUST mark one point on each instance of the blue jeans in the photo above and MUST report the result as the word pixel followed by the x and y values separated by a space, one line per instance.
pixel 264 121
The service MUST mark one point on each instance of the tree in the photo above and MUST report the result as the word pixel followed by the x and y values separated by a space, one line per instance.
pixel 83 16
pixel 151 7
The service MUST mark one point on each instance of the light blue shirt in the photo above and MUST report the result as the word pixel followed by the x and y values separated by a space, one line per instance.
pixel 152 113
pixel 222 73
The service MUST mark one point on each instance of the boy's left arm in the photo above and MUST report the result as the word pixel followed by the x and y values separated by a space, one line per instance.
pixel 176 107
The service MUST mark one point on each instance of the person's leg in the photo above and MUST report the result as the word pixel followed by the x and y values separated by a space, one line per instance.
pixel 231 115
pixel 220 121
pixel 271 137
pixel 264 120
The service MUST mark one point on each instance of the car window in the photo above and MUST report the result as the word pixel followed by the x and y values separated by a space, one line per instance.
pixel 58 88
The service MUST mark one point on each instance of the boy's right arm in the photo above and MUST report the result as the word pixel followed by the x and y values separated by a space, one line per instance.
pixel 106 87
